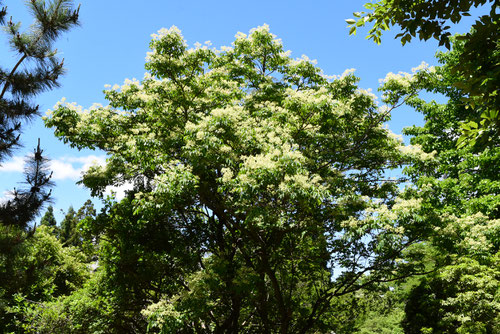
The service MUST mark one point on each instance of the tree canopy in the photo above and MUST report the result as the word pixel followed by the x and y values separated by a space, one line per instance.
pixel 48 218
pixel 268 176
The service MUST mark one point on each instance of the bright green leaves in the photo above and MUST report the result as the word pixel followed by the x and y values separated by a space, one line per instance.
pixel 422 18
pixel 464 299
pixel 482 134
pixel 362 18
pixel 459 193
pixel 245 161
pixel 261 47
pixel 476 60
pixel 35 271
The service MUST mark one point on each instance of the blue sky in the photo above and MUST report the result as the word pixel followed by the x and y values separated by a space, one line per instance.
pixel 112 41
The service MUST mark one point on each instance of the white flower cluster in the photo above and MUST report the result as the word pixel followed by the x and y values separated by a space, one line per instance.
pixel 397 138
pixel 367 92
pixel 240 35
pixel 161 312
pixel 128 83
pixel 402 78
pixel 415 151
pixel 423 67
pixel 472 231
pixel 344 74
pixel 302 60
pixel 380 217
pixel 310 97
pixel 173 30
pixel 62 103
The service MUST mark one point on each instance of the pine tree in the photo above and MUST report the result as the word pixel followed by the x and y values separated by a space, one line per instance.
pixel 87 210
pixel 48 218
pixel 70 234
pixel 37 70
pixel 68 226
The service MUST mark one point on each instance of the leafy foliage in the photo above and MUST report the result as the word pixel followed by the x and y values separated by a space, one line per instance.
pixel 478 63
pixel 86 310
pixel 423 18
pixel 255 179
pixel 33 272
pixel 48 218
pixel 459 192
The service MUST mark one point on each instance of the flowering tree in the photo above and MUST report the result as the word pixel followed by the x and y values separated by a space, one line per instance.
pixel 460 187
pixel 264 177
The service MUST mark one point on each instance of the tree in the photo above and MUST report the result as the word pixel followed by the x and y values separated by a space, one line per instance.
pixel 460 190
pixel 32 269
pixel 26 203
pixel 381 309
pixel 70 231
pixel 258 180
pixel 86 310
pixel 17 89
pixel 479 59
pixel 36 271
pixel 48 218
pixel 68 226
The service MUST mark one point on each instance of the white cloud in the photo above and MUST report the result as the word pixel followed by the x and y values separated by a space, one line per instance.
pixel 6 196
pixel 16 164
pixel 63 168
pixel 66 168
pixel 73 167
pixel 88 160
pixel 118 191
